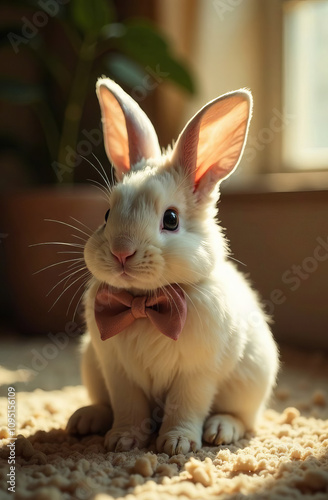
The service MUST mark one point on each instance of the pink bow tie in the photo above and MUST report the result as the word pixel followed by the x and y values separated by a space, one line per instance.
pixel 115 311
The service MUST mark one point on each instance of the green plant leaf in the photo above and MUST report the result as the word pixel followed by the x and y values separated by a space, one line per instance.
pixel 173 70
pixel 140 36
pixel 19 92
pixel 143 44
pixel 124 70
pixel 90 17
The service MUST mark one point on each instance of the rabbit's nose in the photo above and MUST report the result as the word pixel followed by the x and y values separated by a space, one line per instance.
pixel 123 255
pixel 122 248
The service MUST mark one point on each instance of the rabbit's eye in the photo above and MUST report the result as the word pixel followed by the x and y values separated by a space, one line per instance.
pixel 171 219
pixel 106 215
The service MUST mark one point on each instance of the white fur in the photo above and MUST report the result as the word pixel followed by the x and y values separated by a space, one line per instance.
pixel 220 373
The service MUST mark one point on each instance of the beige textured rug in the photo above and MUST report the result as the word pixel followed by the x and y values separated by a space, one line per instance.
pixel 287 458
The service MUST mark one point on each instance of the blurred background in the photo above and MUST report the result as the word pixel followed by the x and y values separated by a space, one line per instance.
pixel 172 57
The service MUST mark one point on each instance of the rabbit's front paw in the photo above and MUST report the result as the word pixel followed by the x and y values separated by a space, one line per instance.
pixel 93 419
pixel 124 439
pixel 223 429
pixel 178 441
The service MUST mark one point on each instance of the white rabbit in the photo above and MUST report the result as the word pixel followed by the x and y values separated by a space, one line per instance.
pixel 160 237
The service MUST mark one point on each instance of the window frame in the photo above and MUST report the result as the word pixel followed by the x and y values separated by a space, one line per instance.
pixel 297 158
pixel 278 174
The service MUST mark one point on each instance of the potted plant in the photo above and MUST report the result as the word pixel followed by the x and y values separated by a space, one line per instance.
pixel 69 45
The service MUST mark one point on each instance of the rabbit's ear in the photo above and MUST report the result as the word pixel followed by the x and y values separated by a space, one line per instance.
pixel 211 144
pixel 129 136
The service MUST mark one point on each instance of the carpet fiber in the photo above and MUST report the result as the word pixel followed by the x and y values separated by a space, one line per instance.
pixel 287 457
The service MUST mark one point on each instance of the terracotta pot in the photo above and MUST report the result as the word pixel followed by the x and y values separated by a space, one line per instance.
pixel 23 220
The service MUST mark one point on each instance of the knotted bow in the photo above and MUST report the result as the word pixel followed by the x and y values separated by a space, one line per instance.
pixel 115 311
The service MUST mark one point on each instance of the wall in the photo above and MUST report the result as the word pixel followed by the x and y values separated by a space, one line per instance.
pixel 283 240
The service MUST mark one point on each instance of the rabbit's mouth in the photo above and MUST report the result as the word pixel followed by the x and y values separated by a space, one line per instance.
pixel 143 269
pixel 126 276
pixel 127 280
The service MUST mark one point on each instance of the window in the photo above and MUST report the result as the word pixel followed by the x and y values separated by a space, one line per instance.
pixel 279 50
pixel 305 84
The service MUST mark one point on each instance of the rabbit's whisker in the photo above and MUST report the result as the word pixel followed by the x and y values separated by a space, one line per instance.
pixel 82 223
pixel 99 186
pixel 80 299
pixel 198 289
pixel 70 268
pixel 104 171
pixel 201 275
pixel 79 237
pixel 192 303
pixel 68 225
pixel 73 266
pixel 190 299
pixel 166 292
pixel 67 288
pixel 77 245
pixel 72 299
pixel 72 273
pixel 105 179
pixel 68 279
pixel 73 251
pixel 236 260
pixel 57 264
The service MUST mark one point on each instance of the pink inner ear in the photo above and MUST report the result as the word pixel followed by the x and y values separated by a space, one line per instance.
pixel 128 133
pixel 221 137
pixel 115 131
